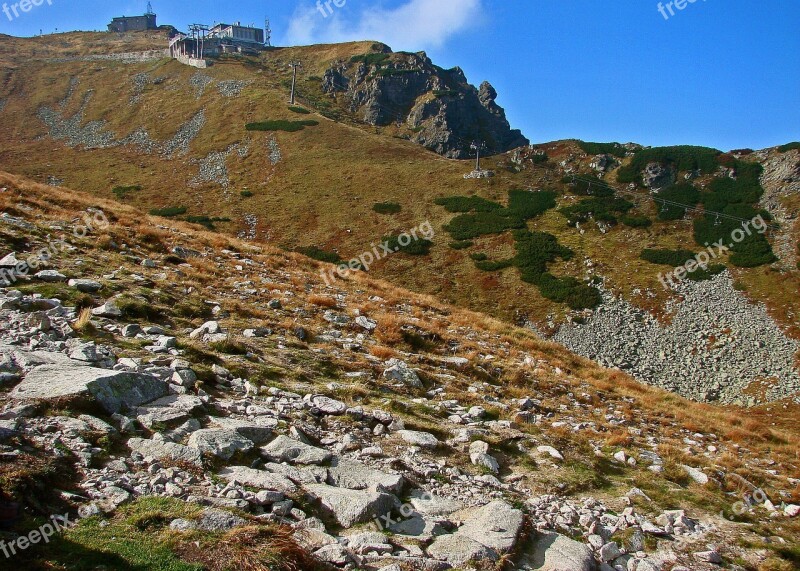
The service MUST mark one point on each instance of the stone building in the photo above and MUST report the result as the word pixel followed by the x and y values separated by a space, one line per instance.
pixel 133 23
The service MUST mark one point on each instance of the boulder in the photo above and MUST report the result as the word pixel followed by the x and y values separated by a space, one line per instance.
pixel 399 371
pixel 350 507
pixel 488 533
pixel 354 475
pixel 165 450
pixel 85 286
pixel 285 449
pixel 258 479
pixel 220 442
pixel 113 390
pixel 421 439
pixel 548 551
pixel 259 432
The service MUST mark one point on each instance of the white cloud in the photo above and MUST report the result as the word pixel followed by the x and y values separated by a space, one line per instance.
pixel 414 25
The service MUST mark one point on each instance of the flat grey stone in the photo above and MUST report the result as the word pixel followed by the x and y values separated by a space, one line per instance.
pixel 113 390
pixel 354 475
pixel 259 432
pixel 165 450
pixel 258 479
pixel 548 551
pixel 219 442
pixel 285 449
pixel 350 507
pixel 421 439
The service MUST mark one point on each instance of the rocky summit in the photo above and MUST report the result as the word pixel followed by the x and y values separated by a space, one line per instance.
pixel 321 307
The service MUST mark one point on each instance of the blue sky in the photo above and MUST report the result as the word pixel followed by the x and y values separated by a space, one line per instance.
pixel 721 73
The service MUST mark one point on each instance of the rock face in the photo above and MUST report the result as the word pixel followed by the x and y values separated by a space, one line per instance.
pixel 113 390
pixel 443 111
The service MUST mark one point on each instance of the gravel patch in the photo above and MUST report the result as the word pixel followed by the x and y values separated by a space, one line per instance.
pixel 200 81
pixel 274 150
pixel 231 87
pixel 715 346
pixel 179 144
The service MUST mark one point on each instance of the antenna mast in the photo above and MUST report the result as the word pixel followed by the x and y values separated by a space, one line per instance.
pixel 267 33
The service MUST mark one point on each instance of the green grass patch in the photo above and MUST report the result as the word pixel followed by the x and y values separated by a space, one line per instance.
pixel 479 257
pixel 138 538
pixel 169 211
pixel 122 191
pixel 371 59
pixel 387 207
pixel 281 125
pixel 246 194
pixel 300 110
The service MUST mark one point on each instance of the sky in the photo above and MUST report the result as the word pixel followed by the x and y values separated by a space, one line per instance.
pixel 719 73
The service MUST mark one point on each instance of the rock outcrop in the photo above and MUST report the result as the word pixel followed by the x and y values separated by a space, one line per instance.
pixel 441 110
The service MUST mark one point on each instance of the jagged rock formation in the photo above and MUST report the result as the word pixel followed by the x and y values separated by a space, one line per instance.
pixel 444 112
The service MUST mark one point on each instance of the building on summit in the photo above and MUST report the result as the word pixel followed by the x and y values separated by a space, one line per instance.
pixel 135 23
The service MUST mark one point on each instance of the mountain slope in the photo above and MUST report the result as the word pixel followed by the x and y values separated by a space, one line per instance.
pixel 514 419
pixel 165 137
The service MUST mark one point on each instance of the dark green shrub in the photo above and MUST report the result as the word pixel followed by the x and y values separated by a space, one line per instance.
pixel 489 266
pixel 701 275
pixel 789 147
pixel 320 255
pixel 468 226
pixel 281 125
pixel 387 208
pixel 206 221
pixel 682 194
pixel 601 209
pixel 169 212
pixel 539 158
pixel 614 149
pixel 681 158
pixel 672 258
pixel 463 245
pixel 636 221
pixel 479 257
pixel 300 110
pixel 588 186
pixel 467 204
pixel 414 247
pixel 246 194
pixel 527 205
